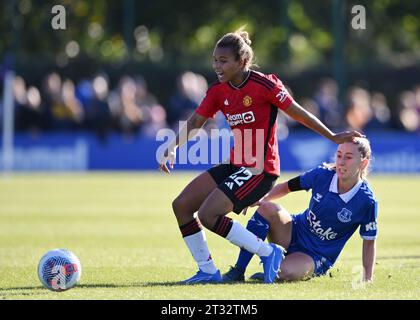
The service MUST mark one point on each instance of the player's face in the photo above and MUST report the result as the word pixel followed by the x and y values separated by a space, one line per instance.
pixel 349 161
pixel 226 67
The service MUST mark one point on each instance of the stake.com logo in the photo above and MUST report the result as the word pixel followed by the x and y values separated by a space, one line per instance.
pixel 240 118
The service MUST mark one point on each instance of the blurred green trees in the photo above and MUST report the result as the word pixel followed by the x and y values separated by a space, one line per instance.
pixel 292 33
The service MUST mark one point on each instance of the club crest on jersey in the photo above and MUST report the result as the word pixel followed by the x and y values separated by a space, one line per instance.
pixel 247 101
pixel 344 215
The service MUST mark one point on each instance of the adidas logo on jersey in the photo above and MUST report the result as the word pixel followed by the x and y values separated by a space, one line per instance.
pixel 226 102
pixel 229 185
pixel 282 95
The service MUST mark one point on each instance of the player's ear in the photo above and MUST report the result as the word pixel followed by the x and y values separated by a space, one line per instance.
pixel 365 163
pixel 242 63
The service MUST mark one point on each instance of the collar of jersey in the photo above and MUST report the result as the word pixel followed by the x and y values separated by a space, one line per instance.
pixel 346 197
pixel 242 83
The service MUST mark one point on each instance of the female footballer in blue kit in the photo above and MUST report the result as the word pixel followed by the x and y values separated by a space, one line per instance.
pixel 250 101
pixel 341 202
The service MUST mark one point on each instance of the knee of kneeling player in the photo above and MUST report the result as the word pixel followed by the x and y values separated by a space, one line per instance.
pixel 287 274
pixel 268 210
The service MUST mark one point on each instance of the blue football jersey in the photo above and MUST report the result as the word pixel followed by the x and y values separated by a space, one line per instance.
pixel 332 218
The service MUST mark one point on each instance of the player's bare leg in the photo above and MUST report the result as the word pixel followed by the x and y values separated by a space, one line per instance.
pixel 212 214
pixel 280 222
pixel 184 206
pixel 191 198
pixel 215 205
pixel 297 266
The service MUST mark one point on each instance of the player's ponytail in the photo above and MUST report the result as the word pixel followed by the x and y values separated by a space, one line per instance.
pixel 240 44
pixel 244 35
pixel 366 153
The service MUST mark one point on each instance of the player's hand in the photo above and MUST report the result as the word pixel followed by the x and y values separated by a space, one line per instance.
pixel 347 136
pixel 168 156
pixel 252 205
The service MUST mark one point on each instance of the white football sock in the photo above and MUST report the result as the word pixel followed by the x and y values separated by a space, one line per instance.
pixel 243 238
pixel 264 250
pixel 197 244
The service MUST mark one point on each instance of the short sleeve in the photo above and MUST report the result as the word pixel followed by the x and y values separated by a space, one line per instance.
pixel 369 226
pixel 279 96
pixel 308 179
pixel 209 106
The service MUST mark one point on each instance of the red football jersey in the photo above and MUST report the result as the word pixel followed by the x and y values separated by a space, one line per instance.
pixel 251 111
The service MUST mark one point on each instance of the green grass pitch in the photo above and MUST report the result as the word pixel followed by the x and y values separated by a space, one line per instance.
pixel 122 228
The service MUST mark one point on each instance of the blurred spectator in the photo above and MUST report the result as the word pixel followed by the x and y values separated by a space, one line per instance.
pixel 153 113
pixel 330 109
pixel 20 100
pixel 311 106
pixel 381 113
pixel 130 108
pixel 62 107
pixel 156 121
pixel 135 108
pixel 94 98
pixel 191 89
pixel 417 94
pixel 73 113
pixel 408 115
pixel 359 111
pixel 123 106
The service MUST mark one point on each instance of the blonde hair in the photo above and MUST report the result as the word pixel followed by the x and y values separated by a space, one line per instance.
pixel 240 44
pixel 365 150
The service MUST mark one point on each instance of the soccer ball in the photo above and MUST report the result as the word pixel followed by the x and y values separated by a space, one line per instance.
pixel 59 270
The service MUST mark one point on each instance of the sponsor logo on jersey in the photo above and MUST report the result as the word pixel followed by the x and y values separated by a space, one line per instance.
pixel 247 101
pixel 318 230
pixel 226 102
pixel 344 215
pixel 240 118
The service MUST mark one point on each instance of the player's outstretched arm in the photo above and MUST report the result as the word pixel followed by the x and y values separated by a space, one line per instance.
pixel 195 121
pixel 368 258
pixel 306 118
pixel 278 191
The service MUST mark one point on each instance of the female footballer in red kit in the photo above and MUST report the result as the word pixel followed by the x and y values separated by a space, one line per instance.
pixel 250 101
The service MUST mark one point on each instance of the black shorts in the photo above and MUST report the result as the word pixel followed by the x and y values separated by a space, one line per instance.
pixel 240 185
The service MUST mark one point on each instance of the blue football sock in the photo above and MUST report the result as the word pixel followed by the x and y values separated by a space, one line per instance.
pixel 258 226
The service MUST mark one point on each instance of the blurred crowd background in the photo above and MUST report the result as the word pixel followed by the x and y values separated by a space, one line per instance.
pixel 129 108
pixel 134 67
